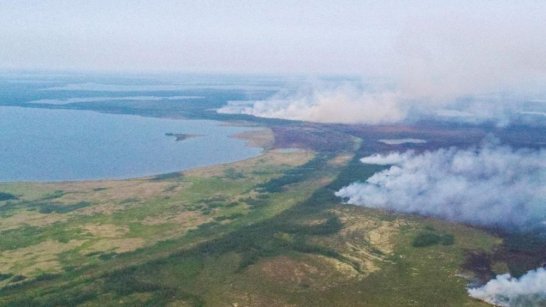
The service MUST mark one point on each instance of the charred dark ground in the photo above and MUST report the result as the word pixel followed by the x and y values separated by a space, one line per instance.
pixel 521 251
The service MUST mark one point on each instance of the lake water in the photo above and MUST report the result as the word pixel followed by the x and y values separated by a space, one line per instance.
pixel 52 145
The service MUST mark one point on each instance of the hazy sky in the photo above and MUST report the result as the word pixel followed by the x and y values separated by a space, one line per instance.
pixel 343 36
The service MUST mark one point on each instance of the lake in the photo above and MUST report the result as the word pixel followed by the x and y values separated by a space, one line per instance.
pixel 53 145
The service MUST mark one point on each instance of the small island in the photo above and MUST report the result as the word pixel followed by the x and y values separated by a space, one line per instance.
pixel 182 136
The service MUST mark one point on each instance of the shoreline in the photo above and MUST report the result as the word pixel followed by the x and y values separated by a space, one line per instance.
pixel 253 138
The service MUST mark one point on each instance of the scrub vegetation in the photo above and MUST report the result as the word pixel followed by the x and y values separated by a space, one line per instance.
pixel 267 231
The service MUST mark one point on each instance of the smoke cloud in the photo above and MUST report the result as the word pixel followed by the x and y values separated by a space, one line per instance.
pixel 505 290
pixel 472 62
pixel 351 104
pixel 345 104
pixel 489 185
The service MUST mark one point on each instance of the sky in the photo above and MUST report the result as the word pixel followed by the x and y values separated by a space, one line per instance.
pixel 383 39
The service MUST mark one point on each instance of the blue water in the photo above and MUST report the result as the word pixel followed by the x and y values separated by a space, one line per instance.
pixel 53 145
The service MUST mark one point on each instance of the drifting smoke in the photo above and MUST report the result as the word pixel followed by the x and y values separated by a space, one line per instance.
pixel 475 62
pixel 345 104
pixel 505 290
pixel 352 105
pixel 491 185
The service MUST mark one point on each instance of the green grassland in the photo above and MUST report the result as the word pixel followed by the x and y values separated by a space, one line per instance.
pixel 266 231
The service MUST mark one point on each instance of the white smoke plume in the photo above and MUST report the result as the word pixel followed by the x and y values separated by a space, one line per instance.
pixel 344 104
pixel 473 61
pixel 505 290
pixel 351 104
pixel 388 159
pixel 490 185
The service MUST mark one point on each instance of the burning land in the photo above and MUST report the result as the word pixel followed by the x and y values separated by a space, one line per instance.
pixel 273 153
pixel 337 221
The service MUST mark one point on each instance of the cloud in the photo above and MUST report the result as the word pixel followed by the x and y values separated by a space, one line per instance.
pixel 490 185
pixel 505 290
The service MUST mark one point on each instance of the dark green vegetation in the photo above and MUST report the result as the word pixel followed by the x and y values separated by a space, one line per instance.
pixel 6 196
pixel 47 204
pixel 56 208
pixel 428 238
